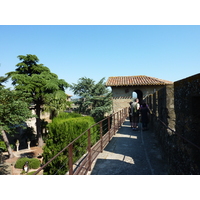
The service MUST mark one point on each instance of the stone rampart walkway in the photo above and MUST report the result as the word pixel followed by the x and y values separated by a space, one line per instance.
pixel 131 153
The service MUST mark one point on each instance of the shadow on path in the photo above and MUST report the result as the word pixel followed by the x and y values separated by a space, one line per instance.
pixel 131 153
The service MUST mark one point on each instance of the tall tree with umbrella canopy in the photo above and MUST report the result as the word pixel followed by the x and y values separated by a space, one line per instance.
pixel 38 83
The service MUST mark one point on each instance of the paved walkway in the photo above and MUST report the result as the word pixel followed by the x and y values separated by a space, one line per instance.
pixel 131 153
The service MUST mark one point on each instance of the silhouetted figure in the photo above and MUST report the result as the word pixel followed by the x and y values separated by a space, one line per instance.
pixel 135 106
pixel 130 115
pixel 144 110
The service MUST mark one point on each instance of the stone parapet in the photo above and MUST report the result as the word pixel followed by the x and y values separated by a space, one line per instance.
pixel 187 109
pixel 178 107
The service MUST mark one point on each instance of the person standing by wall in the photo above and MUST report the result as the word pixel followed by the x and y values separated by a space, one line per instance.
pixel 144 110
pixel 135 106
pixel 130 115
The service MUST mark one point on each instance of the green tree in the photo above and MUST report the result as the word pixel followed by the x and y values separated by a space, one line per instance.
pixel 83 89
pixel 96 99
pixel 3 79
pixel 13 111
pixel 38 83
pixel 56 103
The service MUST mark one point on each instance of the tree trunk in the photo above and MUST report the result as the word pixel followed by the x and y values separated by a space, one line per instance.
pixel 5 138
pixel 38 126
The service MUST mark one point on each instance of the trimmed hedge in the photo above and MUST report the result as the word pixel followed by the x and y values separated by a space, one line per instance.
pixel 63 130
pixel 33 163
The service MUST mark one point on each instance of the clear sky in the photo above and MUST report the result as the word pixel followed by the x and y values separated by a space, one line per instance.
pixel 166 52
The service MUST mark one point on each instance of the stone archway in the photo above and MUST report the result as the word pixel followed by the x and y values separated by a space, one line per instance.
pixel 138 94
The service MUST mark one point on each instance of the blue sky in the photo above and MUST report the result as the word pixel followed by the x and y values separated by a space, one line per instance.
pixel 166 52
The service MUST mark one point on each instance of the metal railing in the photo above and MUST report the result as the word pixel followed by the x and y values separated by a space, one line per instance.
pixel 106 128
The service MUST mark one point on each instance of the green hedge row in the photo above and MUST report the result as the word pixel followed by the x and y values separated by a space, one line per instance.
pixel 34 163
pixel 63 130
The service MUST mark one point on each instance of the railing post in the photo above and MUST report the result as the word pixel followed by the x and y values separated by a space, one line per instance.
pixel 70 157
pixel 101 137
pixel 120 117
pixel 109 127
pixel 114 123
pixel 118 120
pixel 125 113
pixel 89 149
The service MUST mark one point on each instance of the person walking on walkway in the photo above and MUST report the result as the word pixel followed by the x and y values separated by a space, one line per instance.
pixel 135 106
pixel 144 110
pixel 130 115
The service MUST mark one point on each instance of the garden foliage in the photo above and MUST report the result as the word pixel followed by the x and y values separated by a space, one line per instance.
pixel 63 130
pixel 3 146
pixel 34 163
pixel 14 111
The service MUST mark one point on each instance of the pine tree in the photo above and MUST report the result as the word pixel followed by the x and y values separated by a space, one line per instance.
pixel 3 79
pixel 96 99
pixel 37 82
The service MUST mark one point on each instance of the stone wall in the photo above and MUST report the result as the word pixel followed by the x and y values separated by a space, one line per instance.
pixel 178 107
pixel 161 104
pixel 187 109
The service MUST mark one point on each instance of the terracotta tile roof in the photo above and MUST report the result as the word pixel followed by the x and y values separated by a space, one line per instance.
pixel 135 80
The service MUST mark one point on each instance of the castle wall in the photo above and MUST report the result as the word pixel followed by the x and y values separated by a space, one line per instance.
pixel 178 107
pixel 187 109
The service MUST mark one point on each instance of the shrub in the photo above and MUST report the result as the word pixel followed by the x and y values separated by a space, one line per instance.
pixel 63 130
pixel 33 163
pixel 20 162
pixel 3 146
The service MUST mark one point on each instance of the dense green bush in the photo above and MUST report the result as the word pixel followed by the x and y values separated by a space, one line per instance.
pixel 63 130
pixel 20 163
pixel 33 163
pixel 3 146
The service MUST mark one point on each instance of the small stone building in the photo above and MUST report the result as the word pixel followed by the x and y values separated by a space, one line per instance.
pixel 125 88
